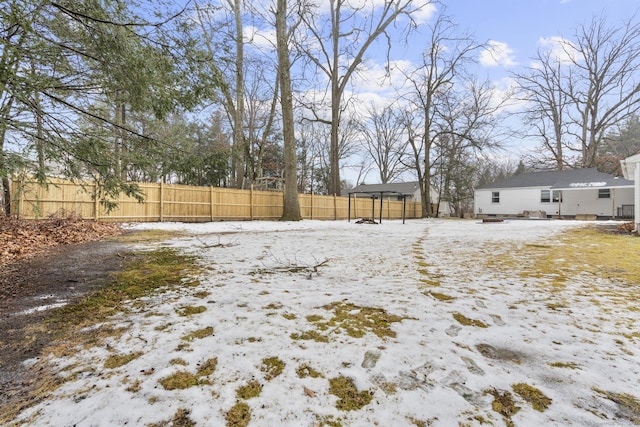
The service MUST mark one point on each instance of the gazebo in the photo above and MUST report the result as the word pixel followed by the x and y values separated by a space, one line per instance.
pixel 380 191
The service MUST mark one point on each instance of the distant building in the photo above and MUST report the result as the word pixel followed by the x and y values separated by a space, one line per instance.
pixel 575 193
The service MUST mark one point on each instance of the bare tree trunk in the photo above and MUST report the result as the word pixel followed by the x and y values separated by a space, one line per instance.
pixel 6 189
pixel 291 211
pixel 4 167
pixel 240 145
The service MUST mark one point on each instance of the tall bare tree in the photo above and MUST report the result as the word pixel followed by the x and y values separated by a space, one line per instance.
pixel 291 211
pixel 221 34
pixel 384 141
pixel 443 61
pixel 605 87
pixel 542 87
pixel 593 88
pixel 340 38
pixel 468 122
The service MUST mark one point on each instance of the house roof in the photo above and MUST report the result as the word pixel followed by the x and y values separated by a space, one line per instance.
pixel 571 179
pixel 401 188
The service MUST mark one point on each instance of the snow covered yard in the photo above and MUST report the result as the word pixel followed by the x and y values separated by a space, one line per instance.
pixel 430 323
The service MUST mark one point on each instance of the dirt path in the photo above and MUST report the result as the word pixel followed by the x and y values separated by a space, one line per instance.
pixel 29 288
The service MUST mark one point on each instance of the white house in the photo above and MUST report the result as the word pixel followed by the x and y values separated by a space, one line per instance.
pixel 631 171
pixel 584 193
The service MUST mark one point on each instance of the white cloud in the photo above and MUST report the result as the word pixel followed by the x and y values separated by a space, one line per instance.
pixel 561 49
pixel 260 38
pixel 425 13
pixel 497 54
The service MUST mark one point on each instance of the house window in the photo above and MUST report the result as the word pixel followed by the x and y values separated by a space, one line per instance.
pixel 545 196
pixel 557 196
pixel 495 197
pixel 604 193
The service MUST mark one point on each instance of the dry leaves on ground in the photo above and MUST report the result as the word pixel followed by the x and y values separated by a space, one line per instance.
pixel 20 239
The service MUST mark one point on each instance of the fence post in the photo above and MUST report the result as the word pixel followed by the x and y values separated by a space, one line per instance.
pixel 22 189
pixel 212 204
pixel 251 202
pixel 311 204
pixel 161 200
pixel 95 201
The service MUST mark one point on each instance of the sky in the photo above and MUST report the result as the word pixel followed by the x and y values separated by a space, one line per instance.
pixel 515 30
pixel 459 334
pixel 521 25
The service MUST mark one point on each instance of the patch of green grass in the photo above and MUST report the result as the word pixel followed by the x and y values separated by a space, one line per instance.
pixel 304 371
pixel 430 282
pixel 309 335
pixel 349 398
pixel 180 419
pixel 253 389
pixel 117 360
pixel 178 361
pixel 190 310
pixel 273 306
pixel 356 321
pixel 314 318
pixel 464 320
pixel 183 379
pixel 440 296
pixel 238 416
pixel 328 421
pixel 504 405
pixel 149 272
pixel 627 402
pixel 199 334
pixel 289 316
pixel 208 367
pixel 202 294
pixel 85 323
pixel 568 365
pixel 146 236
pixel 532 395
pixel 134 387
pixel 272 367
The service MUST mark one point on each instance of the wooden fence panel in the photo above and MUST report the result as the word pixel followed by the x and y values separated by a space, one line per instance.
pixel 186 203
pixel 232 203
pixel 172 202
pixel 267 205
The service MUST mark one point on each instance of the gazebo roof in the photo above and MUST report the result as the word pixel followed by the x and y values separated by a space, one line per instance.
pixel 396 188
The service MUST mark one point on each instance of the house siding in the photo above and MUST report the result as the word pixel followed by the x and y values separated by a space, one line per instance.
pixel 514 201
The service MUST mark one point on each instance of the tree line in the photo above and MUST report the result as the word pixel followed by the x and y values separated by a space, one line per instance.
pixel 236 93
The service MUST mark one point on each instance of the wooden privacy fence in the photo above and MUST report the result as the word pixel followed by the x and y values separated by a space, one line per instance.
pixel 183 203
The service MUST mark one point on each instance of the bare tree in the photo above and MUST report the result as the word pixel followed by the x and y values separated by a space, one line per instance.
pixel 384 141
pixel 443 61
pixel 542 88
pixel 605 87
pixel 591 90
pixel 468 119
pixel 291 211
pixel 340 39
pixel 232 73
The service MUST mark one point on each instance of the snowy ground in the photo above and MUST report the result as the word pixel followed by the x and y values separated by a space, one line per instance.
pixel 434 371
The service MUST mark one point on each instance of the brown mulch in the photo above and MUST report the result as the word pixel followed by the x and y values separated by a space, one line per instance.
pixel 23 239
